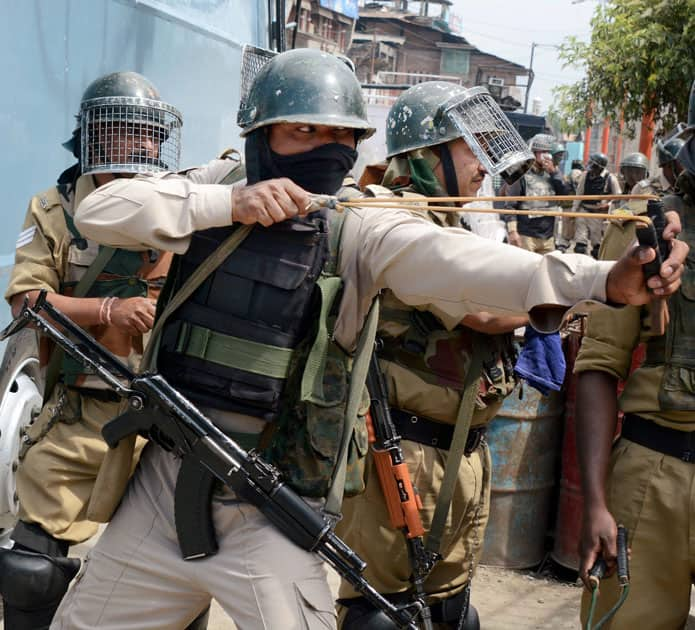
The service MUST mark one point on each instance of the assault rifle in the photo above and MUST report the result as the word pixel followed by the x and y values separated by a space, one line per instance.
pixel 402 500
pixel 162 414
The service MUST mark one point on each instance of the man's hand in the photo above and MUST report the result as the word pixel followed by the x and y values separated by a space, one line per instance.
pixel 548 164
pixel 673 225
pixel 133 315
pixel 598 538
pixel 626 283
pixel 513 238
pixel 269 202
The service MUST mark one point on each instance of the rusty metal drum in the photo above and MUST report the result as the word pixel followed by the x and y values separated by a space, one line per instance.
pixel 524 443
pixel 570 500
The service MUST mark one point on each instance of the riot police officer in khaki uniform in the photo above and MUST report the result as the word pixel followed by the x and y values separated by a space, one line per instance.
pixel 425 365
pixel 123 128
pixel 240 345
pixel 645 480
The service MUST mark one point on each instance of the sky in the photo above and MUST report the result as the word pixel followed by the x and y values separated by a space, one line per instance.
pixel 507 28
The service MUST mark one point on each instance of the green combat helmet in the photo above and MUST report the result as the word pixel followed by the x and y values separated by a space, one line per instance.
pixel 635 160
pixel 598 159
pixel 667 151
pixel 124 127
pixel 304 86
pixel 559 152
pixel 541 142
pixel 437 112
pixel 634 167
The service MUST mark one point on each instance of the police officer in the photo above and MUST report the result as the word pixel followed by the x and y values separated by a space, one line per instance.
pixel 536 232
pixel 645 480
pixel 634 167
pixel 559 153
pixel 596 180
pixel 564 227
pixel 671 168
pixel 238 346
pixel 123 128
pixel 425 364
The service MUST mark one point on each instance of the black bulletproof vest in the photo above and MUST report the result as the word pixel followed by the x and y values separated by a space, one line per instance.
pixel 595 185
pixel 264 292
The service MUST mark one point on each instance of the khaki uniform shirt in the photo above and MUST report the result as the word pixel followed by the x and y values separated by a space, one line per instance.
pixel 47 258
pixel 449 271
pixel 612 335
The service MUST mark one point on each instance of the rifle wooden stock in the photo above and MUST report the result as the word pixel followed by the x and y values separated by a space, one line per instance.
pixel 401 498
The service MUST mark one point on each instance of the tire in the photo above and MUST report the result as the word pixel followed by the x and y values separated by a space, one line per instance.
pixel 21 399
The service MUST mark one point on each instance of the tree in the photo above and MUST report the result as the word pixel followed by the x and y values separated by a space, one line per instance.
pixel 641 59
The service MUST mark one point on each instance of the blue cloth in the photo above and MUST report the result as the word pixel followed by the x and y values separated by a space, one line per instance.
pixel 541 362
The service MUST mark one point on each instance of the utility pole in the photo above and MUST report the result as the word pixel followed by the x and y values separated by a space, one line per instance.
pixel 529 81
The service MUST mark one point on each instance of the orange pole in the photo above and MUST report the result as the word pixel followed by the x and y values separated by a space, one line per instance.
pixel 619 143
pixel 587 144
pixel 605 136
pixel 646 137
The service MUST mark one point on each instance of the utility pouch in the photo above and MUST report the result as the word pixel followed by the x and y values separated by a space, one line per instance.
pixel 677 391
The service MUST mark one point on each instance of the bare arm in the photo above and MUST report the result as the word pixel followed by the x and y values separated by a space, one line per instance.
pixel 134 315
pixel 597 413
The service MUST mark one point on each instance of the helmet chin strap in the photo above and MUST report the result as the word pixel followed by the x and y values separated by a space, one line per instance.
pixel 450 179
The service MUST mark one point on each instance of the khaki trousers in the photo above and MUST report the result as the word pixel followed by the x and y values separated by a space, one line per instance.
pixel 653 495
pixel 538 245
pixel 365 524
pixel 136 579
pixel 61 461
pixel 588 232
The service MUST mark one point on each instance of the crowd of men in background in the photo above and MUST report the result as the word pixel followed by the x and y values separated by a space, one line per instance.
pixel 546 178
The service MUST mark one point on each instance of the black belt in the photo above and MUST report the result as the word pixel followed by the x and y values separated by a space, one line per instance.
pixel 104 395
pixel 679 444
pixel 432 433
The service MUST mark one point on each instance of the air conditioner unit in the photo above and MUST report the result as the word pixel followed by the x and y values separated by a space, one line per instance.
pixel 495 81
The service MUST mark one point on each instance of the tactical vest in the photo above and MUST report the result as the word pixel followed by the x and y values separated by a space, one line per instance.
pixel 595 185
pixel 536 184
pixel 415 343
pixel 255 338
pixel 676 349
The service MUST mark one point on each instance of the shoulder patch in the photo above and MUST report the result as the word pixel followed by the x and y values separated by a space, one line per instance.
pixel 25 237
pixel 49 199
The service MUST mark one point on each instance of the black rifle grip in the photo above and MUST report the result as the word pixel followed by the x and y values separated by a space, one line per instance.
pixel 653 236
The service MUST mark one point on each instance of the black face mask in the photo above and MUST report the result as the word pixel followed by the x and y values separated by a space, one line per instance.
pixel 320 171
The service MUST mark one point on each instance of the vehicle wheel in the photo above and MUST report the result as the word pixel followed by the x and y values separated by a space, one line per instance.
pixel 21 391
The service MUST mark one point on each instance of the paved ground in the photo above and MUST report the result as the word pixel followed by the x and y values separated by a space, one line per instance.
pixel 506 600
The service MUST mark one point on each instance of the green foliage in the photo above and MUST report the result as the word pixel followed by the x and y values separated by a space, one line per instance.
pixel 641 58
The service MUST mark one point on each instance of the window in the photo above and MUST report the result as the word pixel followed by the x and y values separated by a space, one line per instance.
pixel 455 61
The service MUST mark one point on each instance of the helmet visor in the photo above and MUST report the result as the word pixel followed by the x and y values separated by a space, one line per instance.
pixel 129 135
pixel 489 134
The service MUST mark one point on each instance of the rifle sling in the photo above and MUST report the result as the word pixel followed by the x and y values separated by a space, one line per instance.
pixel 55 363
pixel 458 445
